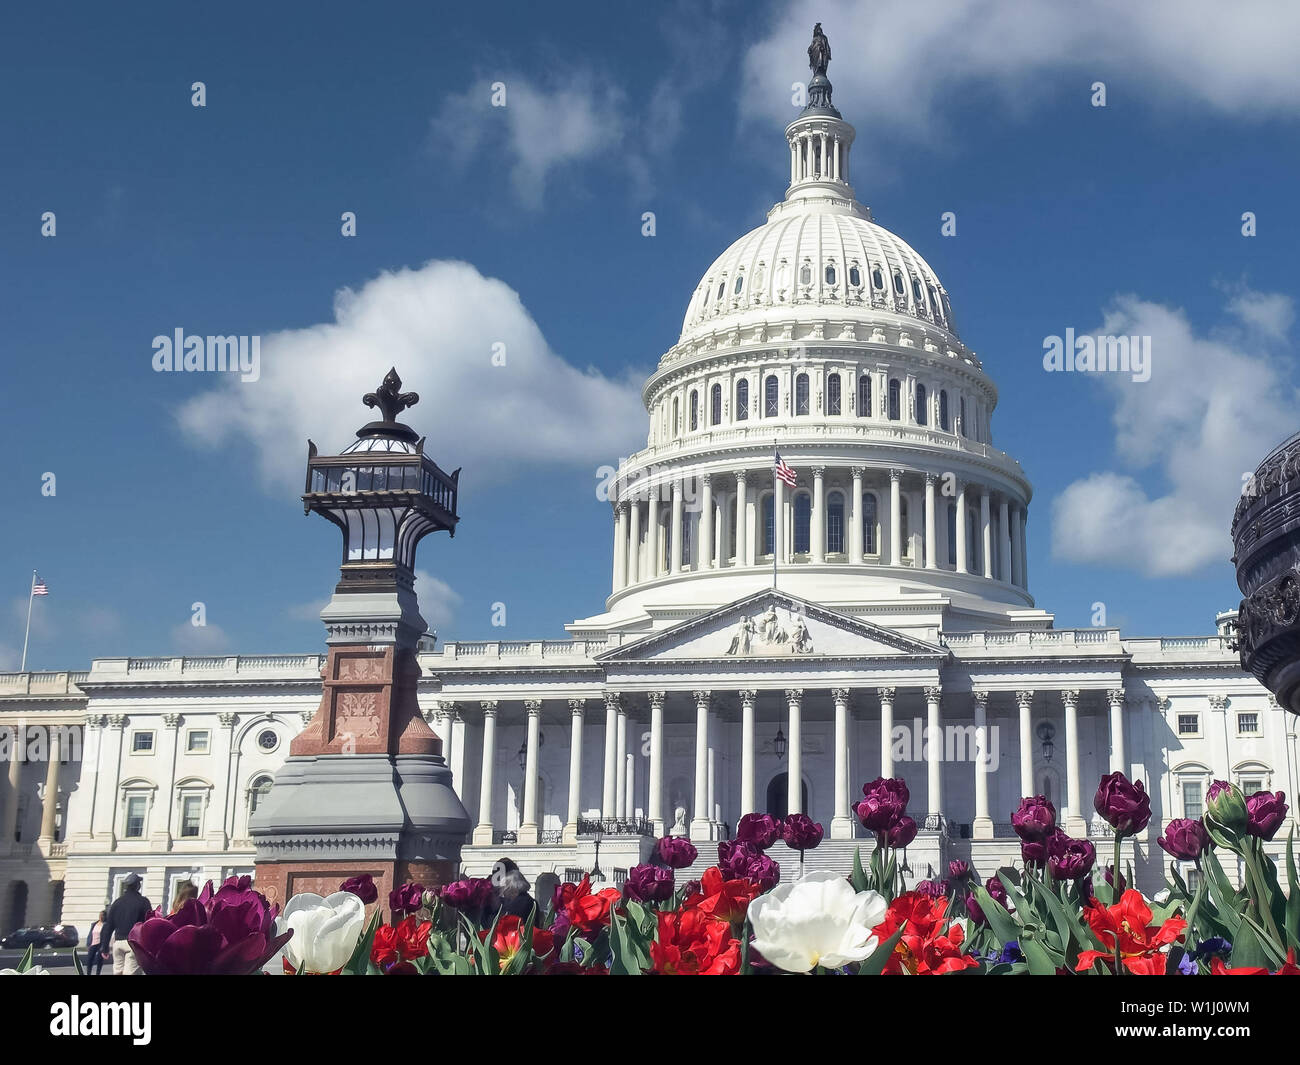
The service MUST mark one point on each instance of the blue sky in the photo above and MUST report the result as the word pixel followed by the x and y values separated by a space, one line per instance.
pixel 523 225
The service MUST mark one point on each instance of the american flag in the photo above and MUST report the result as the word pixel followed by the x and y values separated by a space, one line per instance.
pixel 785 472
pixel 38 587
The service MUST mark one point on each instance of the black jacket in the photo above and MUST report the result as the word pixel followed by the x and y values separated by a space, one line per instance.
pixel 127 912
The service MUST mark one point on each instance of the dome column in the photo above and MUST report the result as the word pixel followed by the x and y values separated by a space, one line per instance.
pixel 652 536
pixel 986 534
pixel 704 549
pixel 818 523
pixel 931 526
pixel 742 500
pixel 634 543
pixel 895 517
pixel 855 533
pixel 1005 569
pixel 675 531
pixel 620 545
pixel 1017 547
pixel 960 528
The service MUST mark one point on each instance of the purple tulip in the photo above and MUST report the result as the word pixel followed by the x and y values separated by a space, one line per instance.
pixel 801 832
pixel 974 911
pixel 1109 876
pixel 649 883
pixel 467 894
pixel 691 887
pixel 997 890
pixel 1035 820
pixel 958 870
pixel 885 802
pixel 407 898
pixel 744 861
pixel 363 887
pixel 230 933
pixel 1266 811
pixel 1035 852
pixel 1185 839
pixel 760 830
pixel 1123 804
pixel 934 889
pixel 1069 859
pixel 676 852
pixel 903 832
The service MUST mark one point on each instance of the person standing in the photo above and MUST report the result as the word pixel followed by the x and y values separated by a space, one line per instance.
pixel 130 909
pixel 95 945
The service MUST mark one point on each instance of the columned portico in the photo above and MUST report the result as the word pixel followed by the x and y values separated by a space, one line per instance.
pixel 700 813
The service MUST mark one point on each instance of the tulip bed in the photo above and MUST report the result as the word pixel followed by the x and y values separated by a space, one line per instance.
pixel 1053 916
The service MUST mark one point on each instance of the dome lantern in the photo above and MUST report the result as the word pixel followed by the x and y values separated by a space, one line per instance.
pixel 819 138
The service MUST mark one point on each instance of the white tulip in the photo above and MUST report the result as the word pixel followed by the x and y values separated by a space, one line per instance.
pixel 325 930
pixel 35 970
pixel 816 920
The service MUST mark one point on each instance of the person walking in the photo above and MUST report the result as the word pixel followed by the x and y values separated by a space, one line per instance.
pixel 129 910
pixel 95 946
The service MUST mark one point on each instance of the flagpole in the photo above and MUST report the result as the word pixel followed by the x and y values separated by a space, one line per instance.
pixel 776 540
pixel 31 592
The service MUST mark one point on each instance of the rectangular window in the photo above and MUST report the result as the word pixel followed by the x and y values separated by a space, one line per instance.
pixel 1192 877
pixel 1189 724
pixel 141 742
pixel 1248 724
pixel 1250 785
pixel 197 741
pixel 1193 806
pixel 135 811
pixel 191 815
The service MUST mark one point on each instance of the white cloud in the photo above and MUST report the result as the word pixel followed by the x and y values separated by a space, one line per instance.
pixel 895 62
pixel 9 657
pixel 1214 406
pixel 543 127
pixel 207 639
pixel 438 600
pixel 437 325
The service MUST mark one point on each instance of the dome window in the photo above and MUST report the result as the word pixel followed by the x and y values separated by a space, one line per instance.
pixel 943 411
pixel 715 405
pixel 677 426
pixel 870 524
pixel 934 296
pixel 771 404
pixel 921 417
pixel 855 276
pixel 916 291
pixel 878 279
pixel 742 400
pixel 722 287
pixel 740 283
pixel 895 392
pixel 833 394
pixel 759 273
pixel 695 410
pixel 835 523
pixel 830 273
pixel 864 396
pixel 802 523
pixel 898 283
pixel 801 394
pixel 961 415
pixel 805 274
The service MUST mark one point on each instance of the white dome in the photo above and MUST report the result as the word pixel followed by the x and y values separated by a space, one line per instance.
pixel 818 253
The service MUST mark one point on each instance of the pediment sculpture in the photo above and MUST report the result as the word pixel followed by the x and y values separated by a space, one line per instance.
pixel 766 634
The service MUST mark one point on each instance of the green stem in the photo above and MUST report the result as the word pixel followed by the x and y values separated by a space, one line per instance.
pixel 1115 892
pixel 1255 879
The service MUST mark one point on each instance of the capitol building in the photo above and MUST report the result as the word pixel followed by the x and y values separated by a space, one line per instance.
pixel 768 643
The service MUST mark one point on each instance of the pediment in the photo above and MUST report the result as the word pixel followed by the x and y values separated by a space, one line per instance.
pixel 774 625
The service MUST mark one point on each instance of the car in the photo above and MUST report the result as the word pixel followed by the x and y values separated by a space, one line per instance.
pixel 44 937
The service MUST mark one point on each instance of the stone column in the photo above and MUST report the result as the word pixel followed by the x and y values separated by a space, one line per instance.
pixel 856 538
pixel 931 525
pixel 704 549
pixel 1024 551
pixel 9 822
pixel 794 700
pixel 895 517
pixel 629 782
pixel 1118 755
pixel 634 543
pixel 577 710
pixel 934 758
pixel 1017 555
pixel 700 812
pixel 742 500
pixel 611 766
pixel 529 830
pixel 655 811
pixel 487 773
pixel 1025 704
pixel 620 545
pixel 842 821
pixel 982 828
pixel 886 732
pixel 986 533
pixel 960 524
pixel 620 763
pixel 747 700
pixel 712 775
pixel 1076 824
pixel 651 568
pixel 50 801
pixel 675 531
pixel 817 530
pixel 1004 535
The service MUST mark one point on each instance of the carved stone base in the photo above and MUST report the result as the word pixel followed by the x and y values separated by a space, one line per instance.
pixel 842 827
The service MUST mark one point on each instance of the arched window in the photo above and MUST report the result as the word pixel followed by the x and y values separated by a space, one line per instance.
pixel 943 411
pixel 878 279
pixel 835 523
pixel 722 287
pixel 961 415
pixel 677 426
pixel 731 540
pixel 687 526
pixel 830 273
pixel 695 410
pixel 715 405
pixel 805 274
pixel 898 283
pixel 742 400
pixel 855 276
pixel 769 528
pixel 864 396
pixel 801 394
pixel 920 405
pixel 904 533
pixel 740 283
pixel 771 405
pixel 895 393
pixel 972 543
pixel 833 394
pixel 802 523
pixel 870 524
pixel 952 534
pixel 916 292
pixel 258 790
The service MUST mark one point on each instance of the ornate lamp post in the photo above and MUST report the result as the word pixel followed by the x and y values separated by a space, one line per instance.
pixel 365 782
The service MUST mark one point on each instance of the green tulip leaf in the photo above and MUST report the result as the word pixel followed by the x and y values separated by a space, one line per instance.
pixel 1004 926
pixel 1040 962
pixel 1292 921
pixel 859 877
